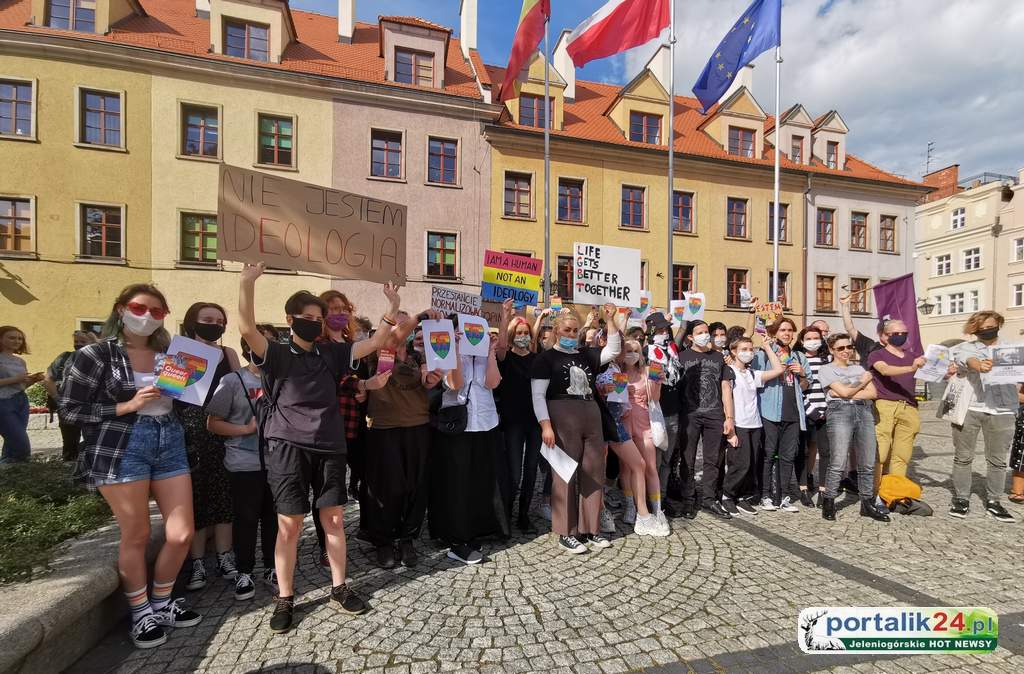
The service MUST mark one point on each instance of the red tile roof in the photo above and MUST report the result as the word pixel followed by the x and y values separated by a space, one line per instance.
pixel 415 21
pixel 480 68
pixel 172 26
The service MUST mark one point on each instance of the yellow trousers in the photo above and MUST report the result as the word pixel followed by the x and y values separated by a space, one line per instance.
pixel 896 427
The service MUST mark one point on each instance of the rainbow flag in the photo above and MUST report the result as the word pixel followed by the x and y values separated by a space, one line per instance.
pixel 528 35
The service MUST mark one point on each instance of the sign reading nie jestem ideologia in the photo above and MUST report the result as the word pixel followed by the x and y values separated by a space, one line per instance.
pixel 294 225
pixel 603 274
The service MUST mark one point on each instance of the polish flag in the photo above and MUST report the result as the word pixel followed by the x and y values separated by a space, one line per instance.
pixel 619 25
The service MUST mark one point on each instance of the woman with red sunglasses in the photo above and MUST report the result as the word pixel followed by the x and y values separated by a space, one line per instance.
pixel 134 449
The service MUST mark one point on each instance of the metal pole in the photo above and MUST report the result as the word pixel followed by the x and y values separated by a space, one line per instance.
pixel 775 206
pixel 547 169
pixel 670 132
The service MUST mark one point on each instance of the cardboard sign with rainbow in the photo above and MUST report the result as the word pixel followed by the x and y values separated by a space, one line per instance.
pixel 511 276
pixel 188 370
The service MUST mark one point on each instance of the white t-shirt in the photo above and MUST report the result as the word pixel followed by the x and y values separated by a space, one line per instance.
pixel 744 396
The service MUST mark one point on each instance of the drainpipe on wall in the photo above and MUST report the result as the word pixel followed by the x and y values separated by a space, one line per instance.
pixel 997 229
pixel 807 218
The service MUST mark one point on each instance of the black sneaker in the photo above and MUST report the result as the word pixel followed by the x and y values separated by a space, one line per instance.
pixel 690 510
pixel 348 600
pixel 226 566
pixel 572 545
pixel 197 579
pixel 465 554
pixel 386 556
pixel 996 510
pixel 717 510
pixel 596 540
pixel 959 508
pixel 744 507
pixel 407 551
pixel 670 510
pixel 176 615
pixel 244 587
pixel 730 506
pixel 147 633
pixel 281 620
pixel 805 499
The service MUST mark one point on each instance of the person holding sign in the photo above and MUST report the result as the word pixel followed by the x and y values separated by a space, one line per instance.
pixel 134 449
pixel 563 380
pixel 304 430
pixel 992 413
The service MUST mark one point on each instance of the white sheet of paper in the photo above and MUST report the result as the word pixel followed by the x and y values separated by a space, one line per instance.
pixel 201 358
pixel 937 365
pixel 694 306
pixel 476 339
pixel 677 312
pixel 439 345
pixel 1007 365
pixel 560 462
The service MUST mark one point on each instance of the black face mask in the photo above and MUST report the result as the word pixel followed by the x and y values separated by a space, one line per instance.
pixel 210 332
pixel 988 334
pixel 897 340
pixel 306 329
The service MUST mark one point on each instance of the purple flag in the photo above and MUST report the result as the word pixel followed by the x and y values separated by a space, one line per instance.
pixel 897 300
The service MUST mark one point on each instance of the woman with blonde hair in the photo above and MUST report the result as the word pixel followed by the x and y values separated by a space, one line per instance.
pixel 563 381
pixel 14 408
pixel 134 449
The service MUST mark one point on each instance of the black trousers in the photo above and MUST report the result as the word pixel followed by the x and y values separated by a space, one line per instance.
pixel 781 442
pixel 707 430
pixel 71 437
pixel 517 467
pixel 253 509
pixel 740 461
pixel 394 491
pixel 817 432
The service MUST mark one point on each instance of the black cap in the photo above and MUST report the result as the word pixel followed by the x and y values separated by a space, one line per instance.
pixel 657 321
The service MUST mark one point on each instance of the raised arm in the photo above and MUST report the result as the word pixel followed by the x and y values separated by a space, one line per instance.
pixel 493 376
pixel 777 368
pixel 387 327
pixel 247 309
pixel 848 324
pixel 508 310
pixel 613 348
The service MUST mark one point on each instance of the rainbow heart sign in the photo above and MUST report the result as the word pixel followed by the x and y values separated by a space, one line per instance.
pixel 621 381
pixel 655 371
pixel 188 370
pixel 439 336
pixel 441 343
pixel 694 306
pixel 474 333
pixel 677 311
pixel 475 340
pixel 196 366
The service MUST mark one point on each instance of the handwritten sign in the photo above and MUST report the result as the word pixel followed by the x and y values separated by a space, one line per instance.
pixel 439 345
pixel 694 306
pixel 452 301
pixel 603 274
pixel 511 276
pixel 765 314
pixel 199 361
pixel 295 225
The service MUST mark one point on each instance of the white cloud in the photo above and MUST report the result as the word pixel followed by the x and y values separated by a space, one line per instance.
pixel 900 72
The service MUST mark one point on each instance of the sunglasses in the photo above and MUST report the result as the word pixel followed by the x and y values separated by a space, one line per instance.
pixel 897 334
pixel 845 347
pixel 140 310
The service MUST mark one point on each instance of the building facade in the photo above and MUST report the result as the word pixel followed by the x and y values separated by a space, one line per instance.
pixel 970 253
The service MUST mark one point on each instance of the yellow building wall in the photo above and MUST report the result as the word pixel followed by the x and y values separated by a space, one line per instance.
pixel 48 297
pixel 708 250
pixel 534 85
pixel 190 185
pixel 645 96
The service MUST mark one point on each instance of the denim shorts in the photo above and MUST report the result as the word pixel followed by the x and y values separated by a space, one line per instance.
pixel 155 451
pixel 618 411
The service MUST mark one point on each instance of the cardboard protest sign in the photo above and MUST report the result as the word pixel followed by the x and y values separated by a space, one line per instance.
pixel 555 304
pixel 694 306
pixel 602 274
pixel 295 225
pixel 655 371
pixel 476 340
pixel 511 276
pixel 439 344
pixel 188 370
pixel 677 312
pixel 765 314
pixel 452 301
pixel 644 310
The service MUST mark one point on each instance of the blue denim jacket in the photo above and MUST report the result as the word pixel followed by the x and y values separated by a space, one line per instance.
pixel 771 392
pixel 997 397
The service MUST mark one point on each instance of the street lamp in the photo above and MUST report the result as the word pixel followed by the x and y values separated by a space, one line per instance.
pixel 924 306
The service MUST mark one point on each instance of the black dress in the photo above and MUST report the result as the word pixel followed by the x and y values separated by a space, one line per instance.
pixel 1017 448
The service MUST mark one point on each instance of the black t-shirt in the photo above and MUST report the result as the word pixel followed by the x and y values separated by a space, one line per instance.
pixel 789 408
pixel 306 413
pixel 701 383
pixel 569 373
pixel 514 397
pixel 864 346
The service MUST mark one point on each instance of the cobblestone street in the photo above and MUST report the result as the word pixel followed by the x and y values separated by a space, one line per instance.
pixel 714 597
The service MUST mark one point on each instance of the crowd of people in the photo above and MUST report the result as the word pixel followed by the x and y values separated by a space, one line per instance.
pixel 704 418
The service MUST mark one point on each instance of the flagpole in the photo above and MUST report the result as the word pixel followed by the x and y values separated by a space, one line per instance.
pixel 547 168
pixel 775 206
pixel 671 138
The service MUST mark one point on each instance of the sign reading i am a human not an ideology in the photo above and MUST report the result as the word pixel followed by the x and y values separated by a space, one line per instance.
pixel 603 274
pixel 294 225
pixel 511 276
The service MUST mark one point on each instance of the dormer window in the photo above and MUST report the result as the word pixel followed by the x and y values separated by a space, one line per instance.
pixel 832 154
pixel 741 141
pixel 247 40
pixel 531 110
pixel 796 152
pixel 414 67
pixel 644 127
pixel 77 15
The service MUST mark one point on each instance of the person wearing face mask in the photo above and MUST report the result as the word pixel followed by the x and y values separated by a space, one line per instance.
pixel 745 443
pixel 305 432
pixel 133 449
pixel 992 413
pixel 517 473
pixel 896 420
pixel 707 394
pixel 71 436
pixel 563 386
pixel 810 342
pixel 719 337
pixel 211 486
pixel 662 350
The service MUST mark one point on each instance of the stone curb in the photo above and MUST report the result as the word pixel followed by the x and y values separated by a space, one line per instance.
pixel 49 623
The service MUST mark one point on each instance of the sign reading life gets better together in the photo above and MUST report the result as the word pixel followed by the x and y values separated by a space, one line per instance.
pixel 603 274
pixel 294 225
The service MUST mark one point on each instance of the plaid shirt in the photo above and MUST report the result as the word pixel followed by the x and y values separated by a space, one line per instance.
pixel 96 378
pixel 351 411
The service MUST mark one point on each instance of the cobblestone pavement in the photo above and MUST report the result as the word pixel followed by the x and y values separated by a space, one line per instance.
pixel 714 597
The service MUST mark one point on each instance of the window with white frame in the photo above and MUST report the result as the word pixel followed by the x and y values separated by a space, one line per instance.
pixel 1017 294
pixel 938 305
pixel 972 259
pixel 1018 250
pixel 973 300
pixel 956 303
pixel 958 219
pixel 943 264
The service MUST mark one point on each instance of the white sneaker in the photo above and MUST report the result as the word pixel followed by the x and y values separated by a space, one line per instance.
pixel 607 522
pixel 766 504
pixel 787 505
pixel 545 511
pixel 663 526
pixel 646 526
pixel 629 514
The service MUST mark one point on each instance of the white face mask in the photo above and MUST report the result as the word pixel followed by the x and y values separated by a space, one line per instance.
pixel 661 340
pixel 143 326
pixel 745 357
pixel 632 358
pixel 702 339
pixel 812 345
pixel 720 341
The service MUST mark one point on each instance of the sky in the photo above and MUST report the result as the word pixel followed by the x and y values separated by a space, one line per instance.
pixel 901 73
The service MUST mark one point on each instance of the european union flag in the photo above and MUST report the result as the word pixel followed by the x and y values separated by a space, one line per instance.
pixel 757 30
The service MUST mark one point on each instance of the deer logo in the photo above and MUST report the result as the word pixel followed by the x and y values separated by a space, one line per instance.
pixel 810 642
